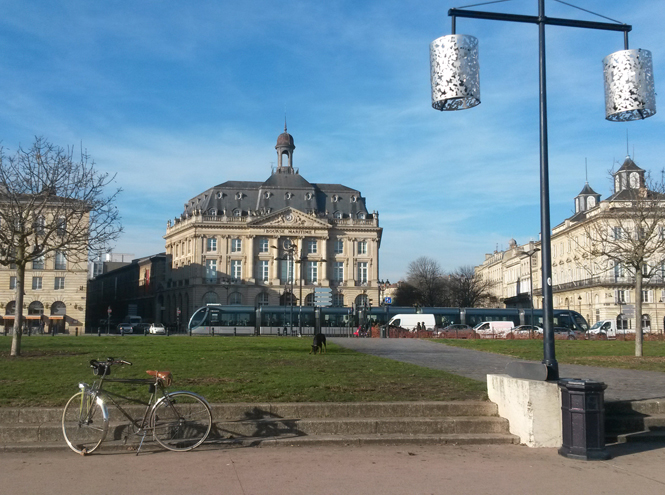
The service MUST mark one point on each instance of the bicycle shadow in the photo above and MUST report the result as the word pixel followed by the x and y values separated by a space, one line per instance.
pixel 256 427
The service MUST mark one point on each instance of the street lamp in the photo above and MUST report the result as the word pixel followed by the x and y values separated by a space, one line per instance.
pixel 383 285
pixel 530 254
pixel 629 95
pixel 289 249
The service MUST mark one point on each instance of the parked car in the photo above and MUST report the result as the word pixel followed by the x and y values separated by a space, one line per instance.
pixel 142 328
pixel 561 333
pixel 456 331
pixel 527 331
pixel 157 329
pixel 125 328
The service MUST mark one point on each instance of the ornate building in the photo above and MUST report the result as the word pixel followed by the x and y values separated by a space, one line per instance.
pixel 597 287
pixel 257 243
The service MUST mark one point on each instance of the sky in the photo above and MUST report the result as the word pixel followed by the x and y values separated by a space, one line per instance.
pixel 176 97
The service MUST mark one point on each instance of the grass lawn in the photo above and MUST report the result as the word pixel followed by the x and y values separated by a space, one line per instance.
pixel 223 369
pixel 608 353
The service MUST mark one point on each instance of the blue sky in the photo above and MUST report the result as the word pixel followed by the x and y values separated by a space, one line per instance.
pixel 175 97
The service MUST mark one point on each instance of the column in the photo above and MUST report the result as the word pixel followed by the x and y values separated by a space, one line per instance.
pixel 249 252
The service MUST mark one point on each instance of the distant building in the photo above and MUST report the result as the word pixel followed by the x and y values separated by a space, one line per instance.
pixel 256 243
pixel 106 262
pixel 597 288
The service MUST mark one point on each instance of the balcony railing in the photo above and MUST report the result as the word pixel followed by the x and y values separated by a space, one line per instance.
pixel 605 280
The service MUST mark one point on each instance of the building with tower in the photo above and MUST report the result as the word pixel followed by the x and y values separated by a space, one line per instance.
pixel 263 243
pixel 594 285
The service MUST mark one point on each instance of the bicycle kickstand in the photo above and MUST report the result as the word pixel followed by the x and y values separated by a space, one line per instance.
pixel 141 443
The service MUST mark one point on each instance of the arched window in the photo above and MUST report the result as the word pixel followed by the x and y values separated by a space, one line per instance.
pixel 361 301
pixel 286 298
pixel 646 323
pixel 338 300
pixel 210 298
pixel 58 308
pixel 361 215
pixel 35 308
pixel 309 300
pixel 337 214
pixel 262 299
pixel 235 298
pixel 10 309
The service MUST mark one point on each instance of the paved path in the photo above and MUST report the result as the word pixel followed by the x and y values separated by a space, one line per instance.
pixel 371 470
pixel 621 384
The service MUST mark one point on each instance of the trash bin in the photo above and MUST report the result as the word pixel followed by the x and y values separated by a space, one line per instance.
pixel 384 330
pixel 583 419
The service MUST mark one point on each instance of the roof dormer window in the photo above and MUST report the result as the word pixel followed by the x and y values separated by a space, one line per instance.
pixel 361 215
pixel 288 195
pixel 335 198
pixel 337 214
pixel 267 195
pixel 220 195
pixel 308 196
pixel 237 212
pixel 238 195
pixel 354 198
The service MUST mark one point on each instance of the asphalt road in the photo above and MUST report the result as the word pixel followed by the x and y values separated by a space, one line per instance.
pixel 621 384
pixel 372 470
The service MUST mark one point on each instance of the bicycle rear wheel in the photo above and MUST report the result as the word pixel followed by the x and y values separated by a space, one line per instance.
pixel 181 421
pixel 84 423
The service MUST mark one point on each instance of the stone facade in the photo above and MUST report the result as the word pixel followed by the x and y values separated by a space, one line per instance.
pixel 597 288
pixel 255 243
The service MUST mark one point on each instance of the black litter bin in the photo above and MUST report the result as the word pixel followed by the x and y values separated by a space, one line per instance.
pixel 384 330
pixel 583 419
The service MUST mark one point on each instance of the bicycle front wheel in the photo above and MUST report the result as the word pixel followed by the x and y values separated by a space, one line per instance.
pixel 181 421
pixel 84 423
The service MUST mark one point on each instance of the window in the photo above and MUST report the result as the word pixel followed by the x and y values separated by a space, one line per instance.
pixel 618 233
pixel 263 245
pixel 36 283
pixel 59 283
pixel 61 226
pixel 60 261
pixel 338 271
pixel 362 273
pixel 354 199
pixel 647 296
pixel 238 195
pixel 236 269
pixel 211 270
pixel 335 198
pixel 621 296
pixel 337 215
pixel 339 246
pixel 338 300
pixel 311 246
pixel 312 272
pixel 211 244
pixel 288 195
pixel 39 225
pixel 308 196
pixel 263 271
pixel 362 247
pixel 262 299
pixel 236 245
pixel 38 263
pixel 285 271
pixel 235 298
pixel 618 271
pixel 12 283
pixel 361 215
pixel 237 212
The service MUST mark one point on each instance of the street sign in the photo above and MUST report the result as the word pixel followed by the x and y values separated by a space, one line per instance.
pixel 387 300
pixel 109 310
pixel 628 310
pixel 322 297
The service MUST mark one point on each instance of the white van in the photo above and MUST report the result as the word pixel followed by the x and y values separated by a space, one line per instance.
pixel 494 329
pixel 606 329
pixel 410 322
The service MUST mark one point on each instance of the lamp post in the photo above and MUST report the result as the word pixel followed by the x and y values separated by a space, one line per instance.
pixel 382 290
pixel 530 254
pixel 289 249
pixel 629 95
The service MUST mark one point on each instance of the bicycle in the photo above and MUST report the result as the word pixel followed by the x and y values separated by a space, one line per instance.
pixel 178 421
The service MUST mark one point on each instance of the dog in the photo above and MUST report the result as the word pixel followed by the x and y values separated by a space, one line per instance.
pixel 319 344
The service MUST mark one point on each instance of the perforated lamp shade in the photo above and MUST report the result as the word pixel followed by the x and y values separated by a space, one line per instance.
pixel 454 72
pixel 629 87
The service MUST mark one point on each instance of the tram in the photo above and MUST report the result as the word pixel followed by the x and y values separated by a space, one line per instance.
pixel 216 319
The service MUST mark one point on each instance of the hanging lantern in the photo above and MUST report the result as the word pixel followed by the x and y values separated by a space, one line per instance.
pixel 454 72
pixel 629 88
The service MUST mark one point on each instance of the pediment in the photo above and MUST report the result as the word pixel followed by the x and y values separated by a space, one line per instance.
pixel 289 218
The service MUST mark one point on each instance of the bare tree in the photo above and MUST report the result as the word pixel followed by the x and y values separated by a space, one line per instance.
pixel 50 202
pixel 426 276
pixel 467 288
pixel 627 234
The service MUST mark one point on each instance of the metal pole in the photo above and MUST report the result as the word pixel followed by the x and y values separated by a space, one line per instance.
pixel 549 359
pixel 531 290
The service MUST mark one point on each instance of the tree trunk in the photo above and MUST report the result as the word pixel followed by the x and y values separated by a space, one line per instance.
pixel 18 313
pixel 638 313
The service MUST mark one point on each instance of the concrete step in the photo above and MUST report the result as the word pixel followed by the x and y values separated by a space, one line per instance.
pixel 262 428
pixel 635 421
pixel 237 411
pixel 284 424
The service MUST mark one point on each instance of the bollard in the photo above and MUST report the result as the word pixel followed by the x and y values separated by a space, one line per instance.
pixel 583 419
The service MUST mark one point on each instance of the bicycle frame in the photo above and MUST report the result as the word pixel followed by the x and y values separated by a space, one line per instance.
pixel 98 393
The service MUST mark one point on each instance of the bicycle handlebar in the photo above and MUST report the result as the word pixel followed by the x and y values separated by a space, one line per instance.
pixel 109 361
